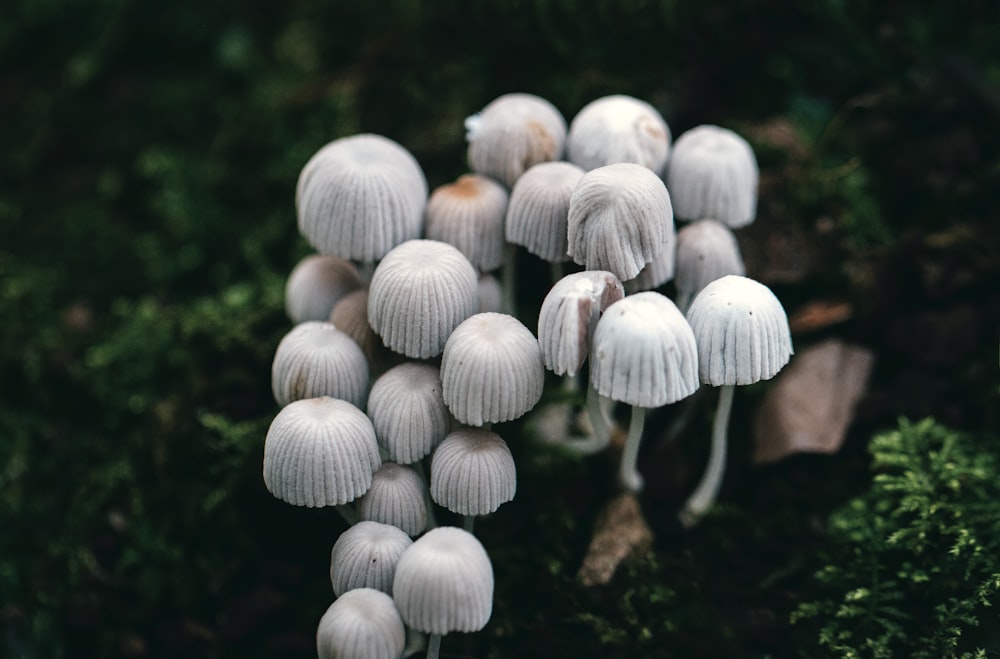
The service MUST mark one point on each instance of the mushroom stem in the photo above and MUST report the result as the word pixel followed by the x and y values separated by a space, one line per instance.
pixel 365 271
pixel 556 270
pixel 601 432
pixel 509 280
pixel 683 301
pixel 628 474
pixel 468 522
pixel 433 646
pixel 347 512
pixel 428 501
pixel 704 495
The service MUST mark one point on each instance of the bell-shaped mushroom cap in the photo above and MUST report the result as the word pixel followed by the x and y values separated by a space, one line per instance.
pixel 444 583
pixel 396 497
pixel 350 316
pixel 361 624
pixel 658 271
pixel 491 369
pixel 469 214
pixel 406 406
pixel 320 452
pixel 568 313
pixel 706 250
pixel 418 294
pixel 616 129
pixel 365 556
pixel 316 359
pixel 490 293
pixel 315 285
pixel 360 196
pixel 644 352
pixel 512 133
pixel 539 208
pixel 620 219
pixel 742 332
pixel 713 173
pixel 473 472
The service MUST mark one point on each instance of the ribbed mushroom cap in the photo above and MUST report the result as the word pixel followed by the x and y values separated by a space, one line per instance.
pixel 616 129
pixel 365 556
pixel 713 173
pixel 620 219
pixel 491 369
pixel 706 250
pixel 644 352
pixel 320 452
pixel 315 285
pixel 742 332
pixel 473 472
pixel 658 271
pixel 361 624
pixel 360 196
pixel 490 293
pixel 418 294
pixel 350 316
pixel 396 497
pixel 512 133
pixel 564 322
pixel 444 583
pixel 316 359
pixel 469 214
pixel 539 208
pixel 406 406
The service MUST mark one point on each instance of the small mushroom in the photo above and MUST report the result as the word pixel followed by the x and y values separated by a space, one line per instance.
pixel 706 250
pixel 539 208
pixel 473 473
pixel 407 409
pixel 315 285
pixel 365 556
pixel 350 316
pixel 469 214
pixel 615 129
pixel 361 624
pixel 713 173
pixel 657 272
pixel 397 497
pixel 316 359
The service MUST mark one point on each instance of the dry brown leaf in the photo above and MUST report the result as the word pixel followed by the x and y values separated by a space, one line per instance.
pixel 818 315
pixel 811 402
pixel 621 531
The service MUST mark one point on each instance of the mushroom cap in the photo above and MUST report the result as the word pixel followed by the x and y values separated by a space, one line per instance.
pixel 490 293
pixel 713 173
pixel 512 133
pixel 444 583
pixel 320 452
pixel 419 293
pixel 658 271
pixel 316 359
pixel 365 556
pixel 315 285
pixel 620 219
pixel 491 369
pixel 360 196
pixel 539 209
pixel 473 472
pixel 396 497
pixel 616 129
pixel 469 214
pixel 706 250
pixel 644 352
pixel 350 316
pixel 742 332
pixel 407 409
pixel 361 624
pixel 568 313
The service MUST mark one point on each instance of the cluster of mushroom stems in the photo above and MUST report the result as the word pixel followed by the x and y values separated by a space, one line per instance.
pixel 406 347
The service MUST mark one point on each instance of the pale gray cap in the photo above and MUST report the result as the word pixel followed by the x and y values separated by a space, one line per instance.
pixel 316 359
pixel 365 556
pixel 320 452
pixel 644 352
pixel 444 583
pixel 406 406
pixel 473 472
pixel 620 219
pixel 706 250
pixel 361 624
pixel 616 129
pixel 360 196
pixel 713 173
pixel 396 497
pixel 491 369
pixel 539 209
pixel 469 214
pixel 742 332
pixel 512 133
pixel 419 293
pixel 657 272
pixel 564 322
pixel 315 285
pixel 350 316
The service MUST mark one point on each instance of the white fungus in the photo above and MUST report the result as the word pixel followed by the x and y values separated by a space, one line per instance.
pixel 361 624
pixel 316 359
pixel 365 556
pixel 473 472
pixel 615 129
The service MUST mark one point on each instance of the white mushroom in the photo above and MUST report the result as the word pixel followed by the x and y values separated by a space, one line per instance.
pixel 706 250
pixel 361 624
pixel 407 409
pixel 469 214
pixel 615 129
pixel 539 208
pixel 397 497
pixel 315 285
pixel 316 359
pixel 365 556
pixel 473 473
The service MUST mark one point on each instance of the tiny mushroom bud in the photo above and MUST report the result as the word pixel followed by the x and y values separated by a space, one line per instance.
pixel 706 250
pixel 713 173
pixel 316 359
pixel 396 497
pixel 473 473
pixel 365 556
pixel 469 214
pixel 615 129
pixel 315 285
pixel 361 624
pixel 407 408
pixel 512 133
pixel 539 208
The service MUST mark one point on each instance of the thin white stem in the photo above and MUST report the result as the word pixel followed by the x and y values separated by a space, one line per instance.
pixel 708 489
pixel 469 522
pixel 433 646
pixel 428 501
pixel 601 433
pixel 556 269
pixel 509 280
pixel 347 512
pixel 629 474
